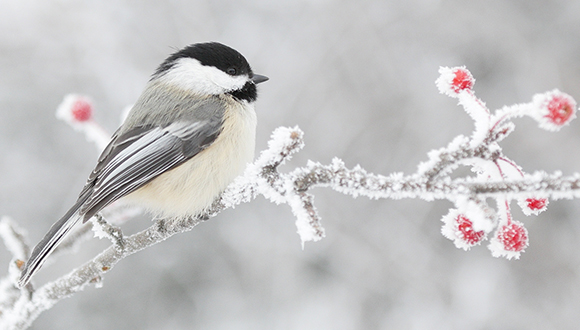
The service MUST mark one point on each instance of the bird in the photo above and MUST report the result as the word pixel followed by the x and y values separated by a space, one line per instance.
pixel 189 134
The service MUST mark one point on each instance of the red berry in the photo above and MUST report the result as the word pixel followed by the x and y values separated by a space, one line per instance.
pixel 82 110
pixel 513 236
pixel 536 204
pixel 560 109
pixel 465 227
pixel 462 80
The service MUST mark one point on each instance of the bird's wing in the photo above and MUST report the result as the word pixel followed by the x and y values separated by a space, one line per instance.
pixel 141 154
pixel 129 161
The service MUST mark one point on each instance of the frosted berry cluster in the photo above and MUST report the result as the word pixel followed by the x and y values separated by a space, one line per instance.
pixel 473 221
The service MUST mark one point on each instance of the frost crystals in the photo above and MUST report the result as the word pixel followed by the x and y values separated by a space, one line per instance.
pixel 552 110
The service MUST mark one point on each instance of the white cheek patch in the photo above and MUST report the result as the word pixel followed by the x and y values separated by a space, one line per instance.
pixel 188 73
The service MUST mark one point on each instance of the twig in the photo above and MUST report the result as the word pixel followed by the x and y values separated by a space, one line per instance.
pixel 468 224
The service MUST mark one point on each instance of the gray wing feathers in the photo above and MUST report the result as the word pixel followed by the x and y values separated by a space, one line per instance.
pixel 133 158
pixel 47 245
pixel 154 153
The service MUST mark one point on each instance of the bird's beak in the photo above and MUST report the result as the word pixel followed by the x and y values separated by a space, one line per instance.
pixel 258 78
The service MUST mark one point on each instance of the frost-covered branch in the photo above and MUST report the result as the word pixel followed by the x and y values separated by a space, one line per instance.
pixel 471 221
pixel 15 242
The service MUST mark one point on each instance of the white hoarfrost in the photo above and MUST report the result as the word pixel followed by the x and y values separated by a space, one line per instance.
pixel 13 238
pixel 497 178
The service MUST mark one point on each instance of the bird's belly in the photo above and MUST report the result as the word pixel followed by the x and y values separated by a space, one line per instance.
pixel 192 186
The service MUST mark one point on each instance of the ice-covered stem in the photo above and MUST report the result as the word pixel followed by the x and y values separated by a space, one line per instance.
pixel 263 178
pixel 358 182
pixel 103 229
pixel 285 141
pixel 15 242
pixel 14 239
pixel 460 150
pixel 26 309
pixel 458 83
pixel 280 188
pixel 554 186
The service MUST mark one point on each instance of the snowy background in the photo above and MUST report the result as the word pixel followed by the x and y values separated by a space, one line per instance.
pixel 358 78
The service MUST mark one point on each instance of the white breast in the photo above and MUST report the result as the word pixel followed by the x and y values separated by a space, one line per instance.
pixel 191 187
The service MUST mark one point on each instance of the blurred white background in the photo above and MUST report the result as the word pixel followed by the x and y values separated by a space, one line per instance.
pixel 358 78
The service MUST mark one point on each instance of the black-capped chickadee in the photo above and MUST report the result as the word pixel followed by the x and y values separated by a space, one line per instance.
pixel 190 133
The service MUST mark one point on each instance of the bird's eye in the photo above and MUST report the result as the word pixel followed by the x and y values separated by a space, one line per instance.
pixel 232 71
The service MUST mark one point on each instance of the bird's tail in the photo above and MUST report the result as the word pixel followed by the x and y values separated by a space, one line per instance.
pixel 50 241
